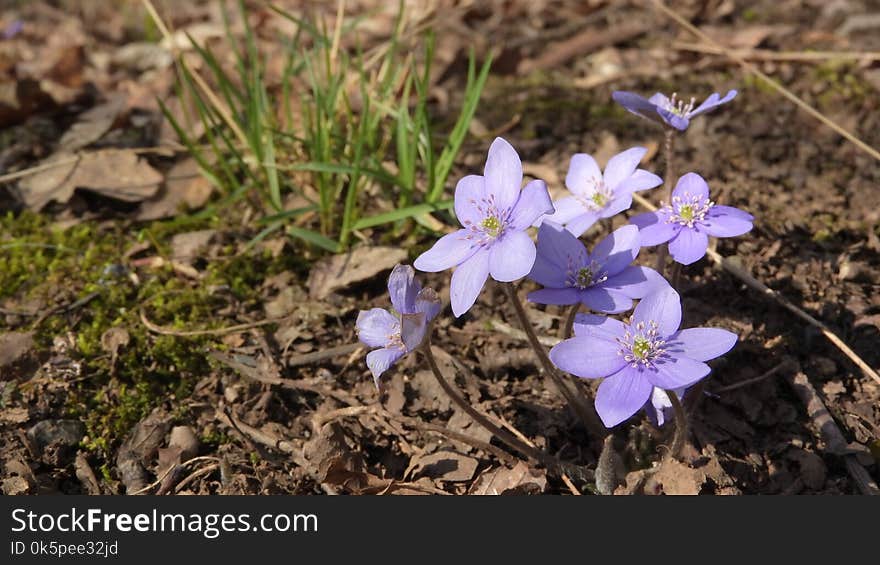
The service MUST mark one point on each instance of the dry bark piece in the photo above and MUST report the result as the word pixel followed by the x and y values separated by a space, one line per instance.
pixel 361 263
pixel 115 173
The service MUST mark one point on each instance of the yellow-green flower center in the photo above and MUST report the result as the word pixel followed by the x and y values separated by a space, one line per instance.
pixel 641 348
pixel 491 225
pixel 599 199
pixel 686 213
pixel 585 277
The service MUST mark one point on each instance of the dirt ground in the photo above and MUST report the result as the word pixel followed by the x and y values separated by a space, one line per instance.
pixel 290 407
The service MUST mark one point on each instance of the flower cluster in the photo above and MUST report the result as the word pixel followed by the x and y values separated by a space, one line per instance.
pixel 644 359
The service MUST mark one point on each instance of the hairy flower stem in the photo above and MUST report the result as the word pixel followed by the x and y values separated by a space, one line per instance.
pixel 681 425
pixel 568 327
pixel 668 184
pixel 675 275
pixel 483 420
pixel 578 403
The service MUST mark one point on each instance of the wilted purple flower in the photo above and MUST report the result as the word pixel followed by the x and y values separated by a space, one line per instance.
pixel 649 351
pixel 672 111
pixel 494 213
pixel 603 280
pixel 596 196
pixel 688 222
pixel 400 332
pixel 12 29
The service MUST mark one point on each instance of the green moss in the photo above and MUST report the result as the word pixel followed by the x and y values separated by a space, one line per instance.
pixel 82 273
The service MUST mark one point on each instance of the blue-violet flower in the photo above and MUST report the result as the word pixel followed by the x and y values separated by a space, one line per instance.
pixel 396 334
pixel 595 195
pixel 603 280
pixel 673 111
pixel 649 351
pixel 495 215
pixel 689 220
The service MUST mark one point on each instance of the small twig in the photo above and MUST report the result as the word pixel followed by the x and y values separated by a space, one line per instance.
pixel 784 364
pixel 831 435
pixel 171 468
pixel 770 55
pixel 216 331
pixel 329 353
pixel 504 328
pixel 773 83
pixel 198 473
pixel 725 264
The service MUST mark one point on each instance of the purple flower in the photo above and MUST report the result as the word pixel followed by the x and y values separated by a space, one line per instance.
pixel 672 111
pixel 603 280
pixel 495 214
pixel 688 222
pixel 596 196
pixel 649 351
pixel 396 334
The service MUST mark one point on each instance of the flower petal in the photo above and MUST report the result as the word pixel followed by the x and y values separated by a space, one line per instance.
pixel 469 194
pixel 450 250
pixel 701 344
pixel 403 288
pixel 534 202
pixel 622 395
pixel 639 180
pixel 689 246
pixel 580 224
pixel 587 357
pixel 583 174
pixel 712 102
pixel 663 308
pixel 622 166
pixel 618 249
pixel 379 360
pixel 428 303
pixel 467 282
pixel 605 300
pixel 566 209
pixel 557 251
pixel 676 372
pixel 636 281
pixel 560 296
pixel 617 205
pixel 718 223
pixel 730 211
pixel 604 327
pixel 661 405
pixel 678 122
pixel 375 326
pixel 503 174
pixel 691 185
pixel 512 256
pixel 653 228
pixel 412 330
pixel 638 105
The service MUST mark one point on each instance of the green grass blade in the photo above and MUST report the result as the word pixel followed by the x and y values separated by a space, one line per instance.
pixel 402 214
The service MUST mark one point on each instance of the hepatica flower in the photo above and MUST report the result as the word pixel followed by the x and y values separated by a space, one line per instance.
pixel 675 112
pixel 494 214
pixel 659 407
pixel 649 351
pixel 397 333
pixel 603 280
pixel 689 220
pixel 595 195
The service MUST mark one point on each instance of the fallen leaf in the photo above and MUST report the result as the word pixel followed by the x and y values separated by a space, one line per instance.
pixel 521 479
pixel 674 477
pixel 15 348
pixel 185 246
pixel 114 173
pixel 92 124
pixel 185 189
pixel 361 263
pixel 447 466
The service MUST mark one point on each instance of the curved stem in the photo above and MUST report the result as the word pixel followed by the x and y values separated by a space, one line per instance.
pixel 681 425
pixel 568 327
pixel 588 417
pixel 454 394
pixel 669 146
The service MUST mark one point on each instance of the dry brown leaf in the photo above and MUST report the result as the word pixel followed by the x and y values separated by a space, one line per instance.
pixel 522 479
pixel 186 188
pixel 114 173
pixel 92 124
pixel 361 263
pixel 675 477
pixel 447 466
